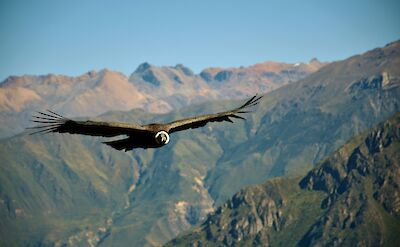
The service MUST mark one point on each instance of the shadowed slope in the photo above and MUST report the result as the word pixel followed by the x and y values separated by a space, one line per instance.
pixel 160 193
pixel 350 198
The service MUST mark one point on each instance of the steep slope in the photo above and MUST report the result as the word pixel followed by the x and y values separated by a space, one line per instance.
pixel 58 189
pixel 351 198
pixel 175 187
pixel 305 121
pixel 288 133
pixel 155 89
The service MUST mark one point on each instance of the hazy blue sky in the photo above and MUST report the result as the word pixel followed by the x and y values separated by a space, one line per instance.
pixel 72 37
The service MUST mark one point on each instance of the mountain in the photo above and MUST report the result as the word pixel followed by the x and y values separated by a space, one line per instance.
pixel 350 199
pixel 56 190
pixel 178 85
pixel 262 77
pixel 304 121
pixel 87 95
pixel 154 89
pixel 73 189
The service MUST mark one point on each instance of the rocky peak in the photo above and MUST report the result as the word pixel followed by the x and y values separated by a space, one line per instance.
pixel 223 75
pixel 207 76
pixel 348 199
pixel 265 211
pixel 347 167
pixel 142 67
pixel 150 77
pixel 147 73
pixel 92 73
pixel 9 81
pixel 187 71
pixel 314 61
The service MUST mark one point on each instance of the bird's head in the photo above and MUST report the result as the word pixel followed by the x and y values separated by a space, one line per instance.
pixel 162 137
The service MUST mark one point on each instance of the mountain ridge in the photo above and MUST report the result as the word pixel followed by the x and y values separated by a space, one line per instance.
pixel 155 89
pixel 292 129
pixel 317 114
pixel 357 182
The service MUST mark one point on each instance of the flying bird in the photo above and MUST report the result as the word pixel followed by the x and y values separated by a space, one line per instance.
pixel 153 135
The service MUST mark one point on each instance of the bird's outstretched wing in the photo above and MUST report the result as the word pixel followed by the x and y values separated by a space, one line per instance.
pixel 52 122
pixel 199 121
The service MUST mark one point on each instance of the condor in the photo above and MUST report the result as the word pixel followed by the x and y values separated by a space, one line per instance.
pixel 153 135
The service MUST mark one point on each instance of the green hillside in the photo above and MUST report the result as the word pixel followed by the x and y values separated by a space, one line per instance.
pixel 70 189
pixel 351 198
pixel 299 124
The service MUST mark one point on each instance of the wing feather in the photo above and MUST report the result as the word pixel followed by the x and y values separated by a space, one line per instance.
pixel 53 122
pixel 199 121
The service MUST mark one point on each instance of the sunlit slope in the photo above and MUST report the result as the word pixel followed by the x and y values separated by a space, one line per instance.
pixel 146 197
pixel 152 88
pixel 299 124
pixel 350 198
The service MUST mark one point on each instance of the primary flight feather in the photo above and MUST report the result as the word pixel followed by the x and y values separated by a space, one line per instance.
pixel 139 136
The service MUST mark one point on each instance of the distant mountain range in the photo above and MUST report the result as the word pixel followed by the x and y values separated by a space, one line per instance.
pixel 351 198
pixel 154 89
pixel 68 189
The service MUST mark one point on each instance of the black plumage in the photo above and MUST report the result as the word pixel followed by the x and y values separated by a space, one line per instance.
pixel 139 136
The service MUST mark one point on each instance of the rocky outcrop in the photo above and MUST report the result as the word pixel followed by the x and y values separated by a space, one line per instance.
pixel 152 195
pixel 355 202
